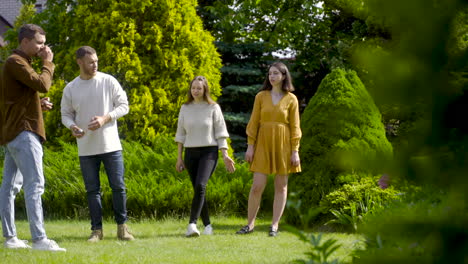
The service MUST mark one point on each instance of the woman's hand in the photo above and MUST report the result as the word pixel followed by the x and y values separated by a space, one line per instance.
pixel 295 161
pixel 229 163
pixel 180 165
pixel 249 153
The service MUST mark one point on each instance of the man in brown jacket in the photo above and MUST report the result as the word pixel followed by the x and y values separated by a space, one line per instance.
pixel 22 134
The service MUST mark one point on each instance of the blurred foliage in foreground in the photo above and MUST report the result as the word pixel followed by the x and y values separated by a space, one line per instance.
pixel 422 64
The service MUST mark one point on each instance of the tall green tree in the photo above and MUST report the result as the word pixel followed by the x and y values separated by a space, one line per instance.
pixel 243 72
pixel 319 35
pixel 249 35
pixel 153 47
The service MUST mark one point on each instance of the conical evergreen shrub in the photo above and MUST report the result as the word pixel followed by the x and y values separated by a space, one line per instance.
pixel 343 138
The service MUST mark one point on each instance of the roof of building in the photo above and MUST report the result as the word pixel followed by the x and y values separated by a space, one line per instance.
pixel 9 10
pixel 4 21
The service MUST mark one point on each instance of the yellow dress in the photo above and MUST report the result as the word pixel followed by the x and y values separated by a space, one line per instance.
pixel 275 132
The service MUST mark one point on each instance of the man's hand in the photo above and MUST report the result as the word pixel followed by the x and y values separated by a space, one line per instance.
pixel 76 131
pixel 46 104
pixel 46 54
pixel 98 121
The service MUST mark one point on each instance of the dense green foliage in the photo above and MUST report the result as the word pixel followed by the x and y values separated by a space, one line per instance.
pixel 343 138
pixel 154 188
pixel 364 191
pixel 320 252
pixel 244 70
pixel 424 63
pixel 412 57
pixel 427 227
pixel 243 73
pixel 154 48
pixel 319 35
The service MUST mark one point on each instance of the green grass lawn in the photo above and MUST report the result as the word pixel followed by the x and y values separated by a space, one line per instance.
pixel 164 242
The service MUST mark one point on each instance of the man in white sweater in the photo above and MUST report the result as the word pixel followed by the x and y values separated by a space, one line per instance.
pixel 91 105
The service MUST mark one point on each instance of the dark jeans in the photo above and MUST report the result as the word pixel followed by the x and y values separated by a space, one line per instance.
pixel 113 164
pixel 200 163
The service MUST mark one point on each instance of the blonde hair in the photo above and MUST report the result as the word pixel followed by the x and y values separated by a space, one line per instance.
pixel 206 90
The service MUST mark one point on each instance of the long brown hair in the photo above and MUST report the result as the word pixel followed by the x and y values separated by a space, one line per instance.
pixel 287 82
pixel 206 90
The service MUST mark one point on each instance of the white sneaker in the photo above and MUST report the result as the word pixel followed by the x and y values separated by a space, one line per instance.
pixel 192 231
pixel 208 230
pixel 47 244
pixel 15 243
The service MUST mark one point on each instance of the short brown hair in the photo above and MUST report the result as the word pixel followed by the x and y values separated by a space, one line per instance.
pixel 28 31
pixel 83 50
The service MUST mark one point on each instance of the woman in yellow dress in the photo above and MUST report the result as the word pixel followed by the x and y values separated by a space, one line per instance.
pixel 273 143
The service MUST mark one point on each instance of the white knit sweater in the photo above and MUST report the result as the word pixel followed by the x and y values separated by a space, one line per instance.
pixel 98 96
pixel 201 125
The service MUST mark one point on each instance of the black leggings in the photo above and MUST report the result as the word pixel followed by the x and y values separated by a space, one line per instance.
pixel 200 163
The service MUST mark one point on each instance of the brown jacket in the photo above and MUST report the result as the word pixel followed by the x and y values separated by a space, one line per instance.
pixel 20 105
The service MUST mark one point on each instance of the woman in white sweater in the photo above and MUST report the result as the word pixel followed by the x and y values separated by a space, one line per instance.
pixel 201 130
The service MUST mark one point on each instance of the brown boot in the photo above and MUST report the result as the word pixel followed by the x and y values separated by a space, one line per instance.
pixel 123 234
pixel 95 236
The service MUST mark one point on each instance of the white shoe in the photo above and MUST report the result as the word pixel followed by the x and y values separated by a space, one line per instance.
pixel 15 243
pixel 208 230
pixel 192 231
pixel 47 244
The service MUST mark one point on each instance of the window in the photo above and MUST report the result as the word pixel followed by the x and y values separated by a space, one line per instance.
pixel 38 8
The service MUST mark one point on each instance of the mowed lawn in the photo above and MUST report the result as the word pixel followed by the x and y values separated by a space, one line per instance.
pixel 164 242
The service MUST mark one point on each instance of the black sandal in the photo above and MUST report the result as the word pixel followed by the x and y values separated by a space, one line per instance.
pixel 273 232
pixel 244 230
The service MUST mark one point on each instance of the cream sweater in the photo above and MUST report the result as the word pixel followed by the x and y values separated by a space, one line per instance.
pixel 201 125
pixel 98 96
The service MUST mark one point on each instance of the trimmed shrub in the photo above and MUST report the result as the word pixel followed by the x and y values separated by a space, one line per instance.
pixel 154 188
pixel 364 190
pixel 342 136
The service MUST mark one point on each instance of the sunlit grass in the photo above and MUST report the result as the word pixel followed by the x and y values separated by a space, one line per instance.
pixel 164 242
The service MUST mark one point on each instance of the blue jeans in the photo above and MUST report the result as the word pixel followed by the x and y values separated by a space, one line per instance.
pixel 113 164
pixel 23 167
